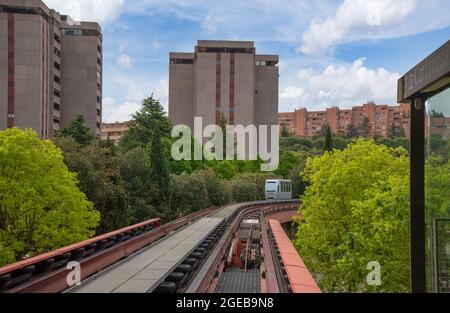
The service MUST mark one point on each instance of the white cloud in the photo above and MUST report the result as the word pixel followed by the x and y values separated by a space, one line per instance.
pixel 156 45
pixel 118 113
pixel 357 19
pixel 209 25
pixel 292 92
pixel 342 85
pixel 101 11
pixel 134 89
pixel 124 61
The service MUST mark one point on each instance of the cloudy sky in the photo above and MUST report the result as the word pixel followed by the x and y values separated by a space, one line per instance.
pixel 332 52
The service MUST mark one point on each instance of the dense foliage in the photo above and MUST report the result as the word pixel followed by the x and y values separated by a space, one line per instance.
pixel 41 207
pixel 355 211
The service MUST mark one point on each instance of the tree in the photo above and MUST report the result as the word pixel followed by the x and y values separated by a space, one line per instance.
pixel 352 131
pixel 223 126
pixel 189 194
pixel 328 139
pixel 151 116
pixel 365 127
pixel 41 207
pixel 76 129
pixel 219 191
pixel 436 114
pixel 355 211
pixel 135 170
pixel 288 161
pixel 284 131
pixel 245 191
pixel 159 168
pixel 99 178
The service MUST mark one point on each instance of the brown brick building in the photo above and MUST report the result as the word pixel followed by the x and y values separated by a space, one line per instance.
pixel 114 131
pixel 223 77
pixel 369 119
pixel 50 68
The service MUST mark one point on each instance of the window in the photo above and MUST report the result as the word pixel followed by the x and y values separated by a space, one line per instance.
pixel 57 39
pixel 79 32
pixel 271 187
pixel 182 61
pixel 437 186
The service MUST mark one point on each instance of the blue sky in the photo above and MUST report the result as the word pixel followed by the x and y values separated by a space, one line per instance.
pixel 332 52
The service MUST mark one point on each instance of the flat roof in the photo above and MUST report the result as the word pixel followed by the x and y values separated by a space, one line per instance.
pixel 182 55
pixel 225 44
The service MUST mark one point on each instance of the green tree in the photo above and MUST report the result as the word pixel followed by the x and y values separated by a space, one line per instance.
pixel 284 131
pixel 288 142
pixel 160 174
pixel 189 194
pixel 244 190
pixel 365 127
pixel 151 116
pixel 135 170
pixel 78 131
pixel 355 211
pixel 288 161
pixel 219 191
pixel 352 131
pixel 41 207
pixel 98 172
pixel 328 139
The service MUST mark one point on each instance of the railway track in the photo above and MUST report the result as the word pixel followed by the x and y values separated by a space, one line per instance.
pixel 183 256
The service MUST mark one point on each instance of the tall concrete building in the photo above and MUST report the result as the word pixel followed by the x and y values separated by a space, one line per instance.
pixel 373 119
pixel 223 77
pixel 50 68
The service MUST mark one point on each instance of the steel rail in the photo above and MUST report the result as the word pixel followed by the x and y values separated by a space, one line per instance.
pixel 56 281
pixel 203 279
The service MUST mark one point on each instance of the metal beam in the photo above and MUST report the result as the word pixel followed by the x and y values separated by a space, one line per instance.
pixel 417 189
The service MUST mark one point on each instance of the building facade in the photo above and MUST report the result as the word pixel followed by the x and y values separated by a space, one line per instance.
pixel 368 120
pixel 114 131
pixel 223 77
pixel 50 68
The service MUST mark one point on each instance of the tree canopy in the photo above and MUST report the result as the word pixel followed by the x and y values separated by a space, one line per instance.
pixel 41 207
pixel 78 131
pixel 151 116
pixel 355 211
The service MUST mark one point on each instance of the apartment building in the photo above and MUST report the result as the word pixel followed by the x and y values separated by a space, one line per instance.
pixel 50 68
pixel 114 131
pixel 223 77
pixel 368 119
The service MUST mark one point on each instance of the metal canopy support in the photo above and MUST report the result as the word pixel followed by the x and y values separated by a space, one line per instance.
pixel 417 214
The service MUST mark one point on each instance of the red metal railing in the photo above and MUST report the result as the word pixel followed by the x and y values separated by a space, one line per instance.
pixel 47 273
pixel 300 279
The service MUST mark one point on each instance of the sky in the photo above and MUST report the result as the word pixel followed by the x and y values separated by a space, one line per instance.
pixel 332 52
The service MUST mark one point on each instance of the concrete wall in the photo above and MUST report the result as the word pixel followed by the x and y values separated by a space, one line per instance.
pixel 79 76
pixel 3 70
pixel 267 95
pixel 30 69
pixel 181 94
pixel 245 89
pixel 205 87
